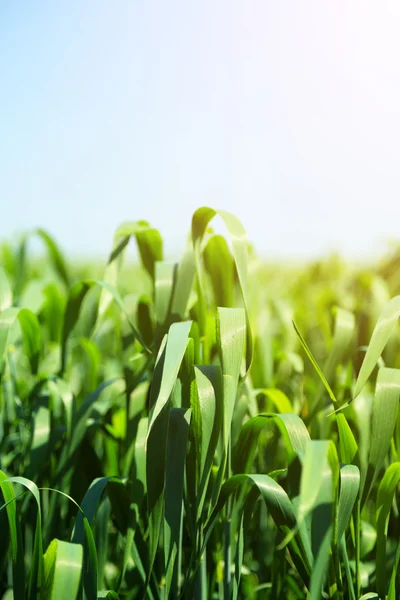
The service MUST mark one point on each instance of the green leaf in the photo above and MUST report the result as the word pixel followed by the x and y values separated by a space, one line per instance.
pixel 231 331
pixel 316 366
pixel 40 442
pixel 177 341
pixel 347 443
pixel 148 239
pixel 36 573
pixel 7 319
pixel 207 416
pixel 55 255
pixel 278 398
pixel 5 291
pixel 31 335
pixel 384 501
pixel 76 296
pixel 275 497
pixel 183 285
pixel 238 237
pixel 17 549
pixel 219 263
pixel 89 506
pixel 163 290
pixel 62 571
pixel 150 247
pixel 314 465
pixel 168 363
pixel 344 332
pixel 317 500
pixel 293 430
pixel 349 488
pixel 178 430
pixel 380 336
pixel 279 506
pixel 343 335
pixel 384 414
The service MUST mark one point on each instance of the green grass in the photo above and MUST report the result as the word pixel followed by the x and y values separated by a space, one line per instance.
pixel 212 429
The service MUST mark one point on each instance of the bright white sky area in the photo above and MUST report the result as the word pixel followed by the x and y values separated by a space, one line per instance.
pixel 286 113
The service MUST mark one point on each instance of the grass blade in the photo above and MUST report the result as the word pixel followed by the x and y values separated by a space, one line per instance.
pixel 386 492
pixel 178 431
pixel 384 414
pixel 380 336
pixel 62 571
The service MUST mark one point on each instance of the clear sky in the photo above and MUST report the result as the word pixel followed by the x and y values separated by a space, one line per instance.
pixel 286 112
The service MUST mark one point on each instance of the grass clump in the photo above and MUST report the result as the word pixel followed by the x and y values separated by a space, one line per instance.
pixel 211 429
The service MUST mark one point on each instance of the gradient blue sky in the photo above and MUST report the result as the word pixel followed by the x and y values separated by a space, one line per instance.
pixel 287 113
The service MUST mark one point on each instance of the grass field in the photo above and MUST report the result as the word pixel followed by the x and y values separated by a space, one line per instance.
pixel 213 429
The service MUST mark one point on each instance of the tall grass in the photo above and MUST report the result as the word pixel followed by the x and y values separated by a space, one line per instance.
pixel 211 429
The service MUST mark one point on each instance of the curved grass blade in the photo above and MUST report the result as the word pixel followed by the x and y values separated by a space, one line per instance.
pixel 31 335
pixel 30 330
pixel 349 488
pixel 342 337
pixel 150 246
pixel 7 319
pixel 207 417
pixel 394 578
pixel 320 566
pixel 90 562
pixel 82 534
pixel 280 508
pixel 278 398
pixel 163 291
pixel 380 336
pixel 62 571
pixel 177 340
pixel 314 466
pixel 183 285
pixel 317 501
pixel 148 239
pixel 5 291
pixel 36 572
pixel 344 331
pixel 167 368
pixel 88 507
pixel 39 450
pixel 348 446
pixel 238 236
pixel 17 549
pixel 294 433
pixel 178 431
pixel 76 296
pixel 231 332
pixel 275 497
pixel 384 501
pixel 53 310
pixel 219 263
pixel 384 414
pixel 55 256
pixel 316 366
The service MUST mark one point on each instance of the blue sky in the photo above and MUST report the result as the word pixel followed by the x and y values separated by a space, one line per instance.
pixel 285 113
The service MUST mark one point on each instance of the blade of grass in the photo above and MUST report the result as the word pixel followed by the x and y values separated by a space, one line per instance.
pixel 156 442
pixel 380 336
pixel 62 571
pixel 178 430
pixel 384 501
pixel 384 414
